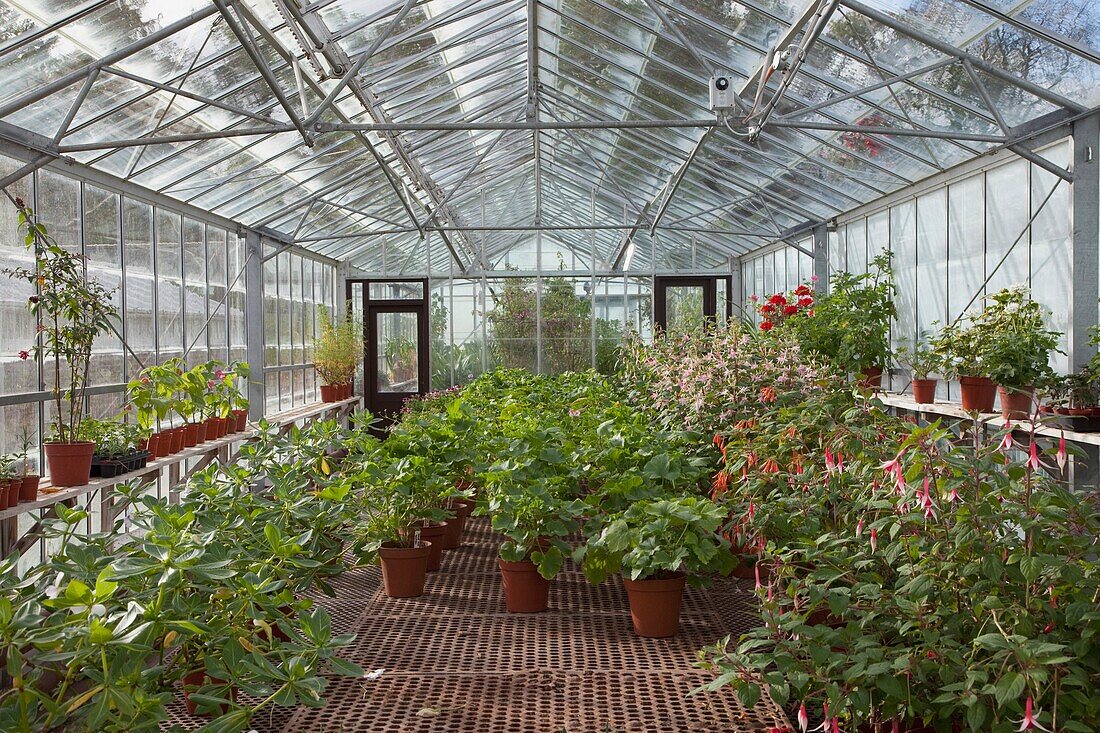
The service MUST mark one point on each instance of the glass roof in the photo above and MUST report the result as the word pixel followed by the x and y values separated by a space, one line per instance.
pixel 391 132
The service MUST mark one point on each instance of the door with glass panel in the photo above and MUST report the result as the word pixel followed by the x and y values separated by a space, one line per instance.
pixel 686 303
pixel 395 336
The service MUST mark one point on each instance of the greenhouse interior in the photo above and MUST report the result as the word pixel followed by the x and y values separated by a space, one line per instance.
pixel 550 366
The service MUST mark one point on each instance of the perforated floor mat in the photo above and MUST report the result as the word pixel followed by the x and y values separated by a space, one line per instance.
pixel 457 662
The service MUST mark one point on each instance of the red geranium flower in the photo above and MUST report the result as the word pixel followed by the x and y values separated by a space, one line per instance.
pixel 790 310
pixel 777 299
pixel 767 326
pixel 803 290
pixel 805 301
pixel 767 308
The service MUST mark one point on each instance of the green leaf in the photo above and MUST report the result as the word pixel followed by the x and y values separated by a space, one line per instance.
pixel 1009 687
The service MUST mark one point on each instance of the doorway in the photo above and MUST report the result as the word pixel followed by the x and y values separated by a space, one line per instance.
pixel 687 303
pixel 395 342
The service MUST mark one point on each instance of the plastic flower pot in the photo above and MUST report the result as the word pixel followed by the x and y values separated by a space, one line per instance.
pixel 195 680
pixel 870 378
pixel 978 393
pixel 70 463
pixel 1016 403
pixel 190 435
pixel 28 488
pixel 655 605
pixel 163 444
pixel 14 487
pixel 924 391
pixel 240 418
pixel 525 591
pixel 328 392
pixel 152 444
pixel 177 439
pixel 456 525
pixel 432 533
pixel 403 569
pixel 5 488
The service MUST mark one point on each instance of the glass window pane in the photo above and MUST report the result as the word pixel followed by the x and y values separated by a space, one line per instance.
pixel 398 360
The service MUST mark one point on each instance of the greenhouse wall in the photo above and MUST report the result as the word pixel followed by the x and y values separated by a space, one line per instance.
pixel 179 283
pixel 1008 223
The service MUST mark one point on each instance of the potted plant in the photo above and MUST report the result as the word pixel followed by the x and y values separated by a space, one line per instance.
pixel 535 516
pixel 656 544
pixel 238 398
pixel 398 496
pixel 400 354
pixel 153 395
pixel 10 482
pixel 851 325
pixel 1017 347
pixel 922 362
pixel 961 351
pixel 29 485
pixel 72 311
pixel 1073 400
pixel 337 351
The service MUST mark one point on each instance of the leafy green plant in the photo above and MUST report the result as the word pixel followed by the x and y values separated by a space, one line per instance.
pixel 73 311
pixel 922 360
pixel 1017 341
pixel 657 538
pixel 851 324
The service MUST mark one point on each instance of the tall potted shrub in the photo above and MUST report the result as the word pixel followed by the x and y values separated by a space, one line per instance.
pixel 656 543
pixel 72 311
pixel 1018 349
pixel 851 325
pixel 337 351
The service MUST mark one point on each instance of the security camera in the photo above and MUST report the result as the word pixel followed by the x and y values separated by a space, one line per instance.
pixel 721 92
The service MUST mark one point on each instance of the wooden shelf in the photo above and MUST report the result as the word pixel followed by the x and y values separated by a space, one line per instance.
pixel 993 419
pixel 48 496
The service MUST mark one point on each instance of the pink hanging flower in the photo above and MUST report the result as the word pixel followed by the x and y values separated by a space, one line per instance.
pixel 1033 456
pixel 1028 722
pixel 859 527
pixel 926 501
pixel 756 570
pixel 803 718
pixel 955 498
pixel 1062 457
pixel 1007 443
pixel 874 539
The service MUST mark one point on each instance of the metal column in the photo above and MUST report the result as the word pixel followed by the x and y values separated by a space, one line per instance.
pixel 254 324
pixel 1085 258
pixel 821 258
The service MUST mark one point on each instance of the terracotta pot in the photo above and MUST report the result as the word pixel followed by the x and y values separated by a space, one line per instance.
pixel 177 439
pixel 190 435
pixel 1016 404
pixel 205 431
pixel 328 393
pixel 70 463
pixel 195 680
pixel 403 569
pixel 4 490
pixel 151 444
pixel 163 444
pixel 870 378
pixel 655 605
pixel 924 391
pixel 456 525
pixel 240 420
pixel 525 591
pixel 219 427
pixel 432 533
pixel 28 488
pixel 978 393
pixel 14 487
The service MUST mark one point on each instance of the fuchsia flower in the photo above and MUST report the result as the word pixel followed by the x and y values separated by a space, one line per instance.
pixel 1028 722
pixel 1033 456
pixel 874 539
pixel 955 498
pixel 926 502
pixel 803 718
pixel 1062 457
pixel 1007 443
pixel 756 569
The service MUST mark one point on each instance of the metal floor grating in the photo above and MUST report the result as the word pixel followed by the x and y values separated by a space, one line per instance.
pixel 456 662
